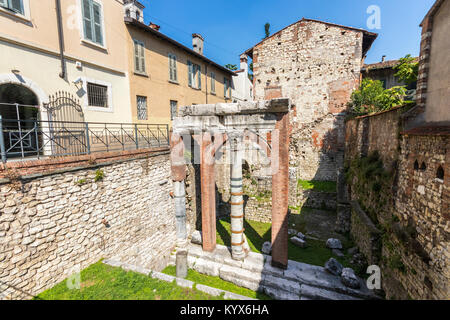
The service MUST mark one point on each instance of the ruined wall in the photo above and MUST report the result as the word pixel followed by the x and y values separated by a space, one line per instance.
pixel 317 66
pixel 399 191
pixel 57 220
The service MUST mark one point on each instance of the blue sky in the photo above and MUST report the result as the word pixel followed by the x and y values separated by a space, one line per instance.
pixel 232 26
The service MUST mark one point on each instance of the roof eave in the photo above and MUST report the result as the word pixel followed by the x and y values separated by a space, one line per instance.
pixel 140 25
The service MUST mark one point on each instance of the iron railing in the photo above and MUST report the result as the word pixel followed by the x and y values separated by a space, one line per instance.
pixel 24 139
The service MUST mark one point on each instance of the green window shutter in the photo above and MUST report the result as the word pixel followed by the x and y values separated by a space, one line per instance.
pixel 175 74
pixel 17 6
pixel 137 61
pixel 97 14
pixel 190 72
pixel 225 87
pixel 87 20
pixel 199 73
pixel 4 3
pixel 142 56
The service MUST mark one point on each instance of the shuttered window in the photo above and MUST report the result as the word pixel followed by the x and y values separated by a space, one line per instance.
pixel 173 109
pixel 226 88
pixel 139 56
pixel 194 75
pixel 92 21
pixel 213 82
pixel 13 5
pixel 173 76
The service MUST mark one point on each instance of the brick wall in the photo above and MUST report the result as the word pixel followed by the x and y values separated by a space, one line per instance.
pixel 58 219
pixel 316 65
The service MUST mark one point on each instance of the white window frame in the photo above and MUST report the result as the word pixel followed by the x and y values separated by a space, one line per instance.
pixel 227 88
pixel 173 67
pixel 110 108
pixel 84 40
pixel 141 43
pixel 172 115
pixel 26 10
pixel 213 82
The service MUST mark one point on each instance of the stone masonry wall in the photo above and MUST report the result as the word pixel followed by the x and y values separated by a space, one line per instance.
pixel 54 223
pixel 412 212
pixel 318 66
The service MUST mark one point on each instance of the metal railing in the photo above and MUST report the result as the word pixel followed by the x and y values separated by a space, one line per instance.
pixel 24 139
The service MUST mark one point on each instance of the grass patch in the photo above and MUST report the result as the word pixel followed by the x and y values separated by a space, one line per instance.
pixel 218 283
pixel 322 186
pixel 103 282
pixel 258 232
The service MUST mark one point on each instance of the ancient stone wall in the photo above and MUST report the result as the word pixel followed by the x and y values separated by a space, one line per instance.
pixel 406 198
pixel 318 66
pixel 57 221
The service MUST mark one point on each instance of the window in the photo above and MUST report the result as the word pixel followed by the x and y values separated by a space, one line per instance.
pixel 128 13
pixel 92 21
pixel 213 82
pixel 13 5
pixel 173 109
pixel 142 108
pixel 173 76
pixel 138 16
pixel 194 75
pixel 97 95
pixel 139 56
pixel 226 88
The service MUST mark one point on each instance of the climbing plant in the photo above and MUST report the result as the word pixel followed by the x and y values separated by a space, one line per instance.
pixel 407 70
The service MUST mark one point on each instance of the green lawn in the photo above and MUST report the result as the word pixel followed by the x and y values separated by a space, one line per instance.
pixel 216 282
pixel 103 282
pixel 257 233
pixel 323 186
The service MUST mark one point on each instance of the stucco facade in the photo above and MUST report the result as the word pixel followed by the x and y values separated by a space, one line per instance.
pixel 30 49
pixel 155 83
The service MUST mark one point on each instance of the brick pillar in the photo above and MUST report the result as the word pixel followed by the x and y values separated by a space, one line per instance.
pixel 208 189
pixel 280 192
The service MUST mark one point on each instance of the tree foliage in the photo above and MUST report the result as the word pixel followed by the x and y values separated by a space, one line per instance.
pixel 232 67
pixel 372 97
pixel 407 70
pixel 267 30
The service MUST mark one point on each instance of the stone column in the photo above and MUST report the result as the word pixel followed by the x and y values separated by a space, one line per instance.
pixel 280 191
pixel 208 189
pixel 178 177
pixel 237 201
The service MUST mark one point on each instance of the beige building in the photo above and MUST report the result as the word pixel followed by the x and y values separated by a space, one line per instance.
pixel 165 74
pixel 76 47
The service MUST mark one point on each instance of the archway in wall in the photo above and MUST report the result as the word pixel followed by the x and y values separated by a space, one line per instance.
pixel 19 111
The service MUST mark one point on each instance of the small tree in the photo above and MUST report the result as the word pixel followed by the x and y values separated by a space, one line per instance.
pixel 267 30
pixel 232 67
pixel 372 97
pixel 407 70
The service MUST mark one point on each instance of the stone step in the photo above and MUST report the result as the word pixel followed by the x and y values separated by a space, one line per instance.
pixel 315 293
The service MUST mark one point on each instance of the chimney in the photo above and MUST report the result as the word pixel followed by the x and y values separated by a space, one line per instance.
pixel 154 26
pixel 383 58
pixel 244 62
pixel 197 43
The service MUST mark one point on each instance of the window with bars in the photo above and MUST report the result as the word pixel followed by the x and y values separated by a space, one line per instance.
pixel 142 108
pixel 92 21
pixel 173 76
pixel 213 82
pixel 194 75
pixel 13 5
pixel 97 95
pixel 139 56
pixel 173 109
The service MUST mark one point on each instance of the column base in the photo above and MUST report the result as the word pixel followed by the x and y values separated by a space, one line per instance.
pixel 239 256
pixel 279 265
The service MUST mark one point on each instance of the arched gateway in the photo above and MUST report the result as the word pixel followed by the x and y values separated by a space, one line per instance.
pixel 212 126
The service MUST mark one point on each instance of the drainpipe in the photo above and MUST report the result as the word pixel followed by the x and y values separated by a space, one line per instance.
pixel 61 39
